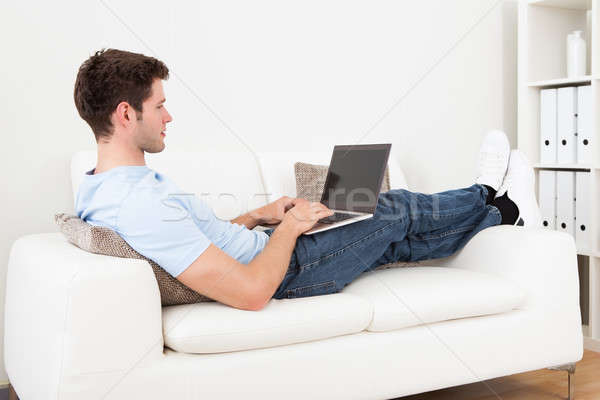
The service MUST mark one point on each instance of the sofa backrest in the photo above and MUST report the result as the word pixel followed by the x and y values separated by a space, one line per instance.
pixel 229 182
pixel 232 183
pixel 277 169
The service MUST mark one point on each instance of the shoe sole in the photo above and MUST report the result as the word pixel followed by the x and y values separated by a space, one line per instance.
pixel 520 221
pixel 503 134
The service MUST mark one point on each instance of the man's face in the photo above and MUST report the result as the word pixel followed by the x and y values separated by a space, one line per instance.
pixel 149 135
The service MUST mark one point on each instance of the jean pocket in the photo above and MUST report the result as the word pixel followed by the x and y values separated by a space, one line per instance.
pixel 312 290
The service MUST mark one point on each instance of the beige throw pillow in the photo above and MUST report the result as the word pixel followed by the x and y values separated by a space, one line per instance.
pixel 105 241
pixel 310 180
pixel 310 183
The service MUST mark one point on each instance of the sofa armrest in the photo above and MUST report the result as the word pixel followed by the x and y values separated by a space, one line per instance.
pixel 541 261
pixel 544 264
pixel 71 315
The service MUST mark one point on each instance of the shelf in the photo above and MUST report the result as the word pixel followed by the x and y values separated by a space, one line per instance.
pixel 570 4
pixel 586 252
pixel 543 26
pixel 578 167
pixel 581 80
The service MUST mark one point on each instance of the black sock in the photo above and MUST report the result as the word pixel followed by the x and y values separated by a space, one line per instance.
pixel 491 194
pixel 508 209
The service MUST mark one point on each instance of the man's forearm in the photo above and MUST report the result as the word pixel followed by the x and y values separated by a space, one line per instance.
pixel 271 264
pixel 247 219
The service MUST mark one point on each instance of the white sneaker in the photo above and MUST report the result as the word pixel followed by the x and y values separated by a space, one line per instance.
pixel 519 183
pixel 493 159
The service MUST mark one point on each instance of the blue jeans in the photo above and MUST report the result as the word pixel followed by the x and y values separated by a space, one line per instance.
pixel 406 226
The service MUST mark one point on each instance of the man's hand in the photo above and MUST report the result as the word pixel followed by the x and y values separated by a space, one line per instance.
pixel 304 215
pixel 273 212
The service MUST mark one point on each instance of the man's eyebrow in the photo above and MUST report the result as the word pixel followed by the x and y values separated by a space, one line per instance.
pixel 162 101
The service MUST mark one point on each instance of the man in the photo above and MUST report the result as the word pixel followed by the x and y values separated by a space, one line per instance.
pixel 120 95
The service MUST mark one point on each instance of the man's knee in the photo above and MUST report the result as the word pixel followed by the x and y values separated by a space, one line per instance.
pixel 394 204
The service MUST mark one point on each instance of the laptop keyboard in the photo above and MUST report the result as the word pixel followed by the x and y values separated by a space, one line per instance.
pixel 336 217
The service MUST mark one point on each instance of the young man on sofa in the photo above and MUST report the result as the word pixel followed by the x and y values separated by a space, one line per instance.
pixel 120 95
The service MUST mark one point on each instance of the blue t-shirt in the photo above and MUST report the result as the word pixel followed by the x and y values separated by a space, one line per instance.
pixel 160 221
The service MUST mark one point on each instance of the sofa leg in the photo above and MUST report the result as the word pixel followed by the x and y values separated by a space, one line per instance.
pixel 570 368
pixel 12 395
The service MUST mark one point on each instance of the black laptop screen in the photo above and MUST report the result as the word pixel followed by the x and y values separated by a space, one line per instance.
pixel 354 177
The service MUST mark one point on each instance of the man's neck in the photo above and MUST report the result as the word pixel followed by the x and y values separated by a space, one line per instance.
pixel 110 157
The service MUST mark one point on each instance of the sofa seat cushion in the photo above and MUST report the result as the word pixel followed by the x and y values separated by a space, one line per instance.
pixel 216 328
pixel 403 297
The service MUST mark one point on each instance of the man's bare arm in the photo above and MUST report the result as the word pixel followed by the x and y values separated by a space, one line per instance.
pixel 271 265
pixel 271 213
pixel 249 219
pixel 250 287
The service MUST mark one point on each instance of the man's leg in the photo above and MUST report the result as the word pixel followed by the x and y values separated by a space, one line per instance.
pixel 409 226
pixel 406 226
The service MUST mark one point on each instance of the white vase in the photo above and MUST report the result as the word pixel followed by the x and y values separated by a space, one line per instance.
pixel 575 54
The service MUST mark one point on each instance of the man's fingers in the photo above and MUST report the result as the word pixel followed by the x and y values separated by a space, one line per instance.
pixel 325 209
pixel 322 213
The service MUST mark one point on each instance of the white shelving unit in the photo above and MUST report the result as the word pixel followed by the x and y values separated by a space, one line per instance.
pixel 543 28
pixel 561 82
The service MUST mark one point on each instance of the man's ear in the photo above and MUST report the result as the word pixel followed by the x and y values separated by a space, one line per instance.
pixel 124 114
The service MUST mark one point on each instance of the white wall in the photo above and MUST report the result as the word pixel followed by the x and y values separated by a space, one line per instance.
pixel 428 76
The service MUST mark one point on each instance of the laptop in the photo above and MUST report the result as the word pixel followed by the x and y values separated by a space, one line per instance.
pixel 352 185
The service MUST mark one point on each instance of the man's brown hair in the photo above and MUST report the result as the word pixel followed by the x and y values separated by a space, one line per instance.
pixel 110 77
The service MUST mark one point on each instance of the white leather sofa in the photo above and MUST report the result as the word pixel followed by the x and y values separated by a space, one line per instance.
pixel 86 326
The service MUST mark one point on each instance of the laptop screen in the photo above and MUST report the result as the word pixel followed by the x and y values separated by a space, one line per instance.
pixel 354 177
